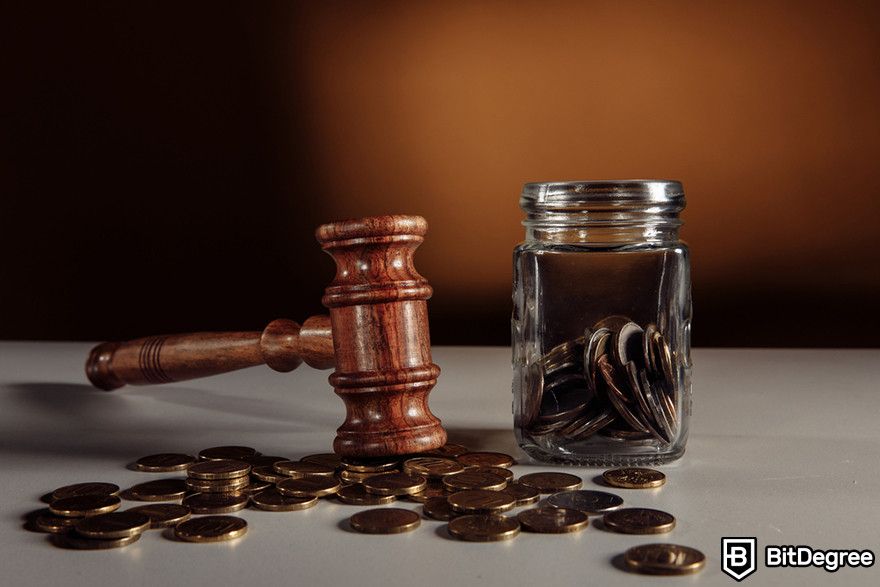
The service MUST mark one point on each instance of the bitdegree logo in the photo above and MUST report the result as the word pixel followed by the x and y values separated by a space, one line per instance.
pixel 806 556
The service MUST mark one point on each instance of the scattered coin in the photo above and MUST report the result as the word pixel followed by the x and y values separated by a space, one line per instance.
pixel 309 486
pixel 267 473
pixel 474 480
pixel 385 521
pixel 77 542
pixel 481 501
pixel 355 477
pixel 215 503
pixel 263 460
pixel 639 521
pixel 486 459
pixel 49 522
pixel 438 508
pixel 272 500
pixel 227 452
pixel 357 495
pixel 85 505
pixel 664 559
pixel 256 486
pixel 211 529
pixel 163 515
pixel 327 459
pixel 551 482
pixel 587 501
pixel 550 520
pixel 219 469
pixel 221 486
pixel 164 462
pixel 449 450
pixel 395 484
pixel 523 494
pixel 159 490
pixel 428 492
pixel 634 478
pixel 483 527
pixel 432 467
pixel 301 469
pixel 113 525
pixel 80 489
pixel 500 471
pixel 370 465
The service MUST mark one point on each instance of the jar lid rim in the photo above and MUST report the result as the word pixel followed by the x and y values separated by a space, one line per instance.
pixel 548 194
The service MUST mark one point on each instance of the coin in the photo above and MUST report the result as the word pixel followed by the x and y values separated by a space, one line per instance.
pixel 481 501
pixel 76 542
pixel 113 525
pixel 587 424
pixel 500 471
pixel 53 524
pixel 218 469
pixel 262 460
pixel 385 521
pixel 80 489
pixel 550 520
pixel 551 482
pixel 474 480
pixel 587 501
pixel 355 477
pixel 227 452
pixel 357 495
pixel 267 473
pixel 215 503
pixel 634 478
pixel 438 508
pixel 301 469
pixel 449 450
pixel 164 462
pixel 256 486
pixel 370 465
pixel 85 505
pixel 163 515
pixel 221 486
pixel 272 500
pixel 639 521
pixel 664 559
pixel 326 459
pixel 211 529
pixel 309 486
pixel 432 467
pixel 483 527
pixel 428 492
pixel 486 459
pixel 159 490
pixel 395 484
pixel 523 494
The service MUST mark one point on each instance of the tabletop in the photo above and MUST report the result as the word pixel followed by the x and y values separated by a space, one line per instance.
pixel 784 447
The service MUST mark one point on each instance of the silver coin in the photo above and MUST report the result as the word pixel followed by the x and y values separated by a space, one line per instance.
pixel 628 345
pixel 596 345
pixel 585 500
pixel 586 426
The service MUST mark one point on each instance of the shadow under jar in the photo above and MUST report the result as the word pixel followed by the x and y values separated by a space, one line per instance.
pixel 601 323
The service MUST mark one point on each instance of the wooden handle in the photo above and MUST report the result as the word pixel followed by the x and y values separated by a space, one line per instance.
pixel 283 345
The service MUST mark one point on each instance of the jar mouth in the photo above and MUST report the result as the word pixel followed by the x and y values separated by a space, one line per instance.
pixel 573 196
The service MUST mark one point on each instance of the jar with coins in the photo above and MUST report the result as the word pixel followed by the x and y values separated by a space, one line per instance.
pixel 601 323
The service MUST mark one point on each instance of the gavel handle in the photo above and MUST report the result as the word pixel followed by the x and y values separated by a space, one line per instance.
pixel 283 345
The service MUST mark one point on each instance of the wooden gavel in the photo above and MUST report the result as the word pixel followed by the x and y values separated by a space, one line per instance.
pixel 376 335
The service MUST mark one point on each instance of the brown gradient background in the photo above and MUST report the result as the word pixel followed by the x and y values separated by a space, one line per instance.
pixel 162 166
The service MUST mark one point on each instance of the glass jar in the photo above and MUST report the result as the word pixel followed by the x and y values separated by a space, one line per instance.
pixel 601 323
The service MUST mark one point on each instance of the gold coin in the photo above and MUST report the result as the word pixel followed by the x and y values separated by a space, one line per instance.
pixel 267 473
pixel 328 459
pixel 216 453
pixel 370 465
pixel 355 477
pixel 551 482
pixel 53 524
pixel 357 495
pixel 664 559
pixel 159 490
pixel 86 505
pixel 80 489
pixel 216 470
pixel 113 525
pixel 550 520
pixel 486 459
pixel 639 521
pixel 309 486
pixel 215 503
pixel 211 529
pixel 634 478
pixel 523 494
pixel 385 521
pixel 481 501
pixel 449 450
pixel 438 508
pixel 432 467
pixel 474 480
pixel 222 486
pixel 500 471
pixel 428 492
pixel 256 486
pixel 273 501
pixel 301 469
pixel 163 515
pixel 483 528
pixel 395 484
pixel 164 462
pixel 76 542
pixel 262 460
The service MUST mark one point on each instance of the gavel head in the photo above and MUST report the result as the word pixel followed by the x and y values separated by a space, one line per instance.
pixel 379 318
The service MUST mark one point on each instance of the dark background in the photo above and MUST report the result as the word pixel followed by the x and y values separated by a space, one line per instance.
pixel 163 166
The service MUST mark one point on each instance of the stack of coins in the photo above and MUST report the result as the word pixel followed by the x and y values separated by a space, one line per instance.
pixel 617 380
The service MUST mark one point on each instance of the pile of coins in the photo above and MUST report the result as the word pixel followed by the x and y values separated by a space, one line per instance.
pixel 470 491
pixel 618 380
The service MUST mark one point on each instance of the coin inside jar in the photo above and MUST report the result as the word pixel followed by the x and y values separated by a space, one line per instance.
pixel 551 482
pixel 113 525
pixel 587 501
pixel 395 484
pixel 309 486
pixel 274 501
pixel 385 521
pixel 664 559
pixel 639 521
pixel 474 480
pixel 486 459
pixel 483 527
pixel 481 501
pixel 85 505
pixel 215 503
pixel 80 489
pixel 634 478
pixel 357 495
pixel 211 529
pixel 219 469
pixel 550 520
pixel 301 469
pixel 164 463
pixel 163 515
pixel 159 490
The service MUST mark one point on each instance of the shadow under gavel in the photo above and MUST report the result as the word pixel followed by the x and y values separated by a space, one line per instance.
pixel 376 335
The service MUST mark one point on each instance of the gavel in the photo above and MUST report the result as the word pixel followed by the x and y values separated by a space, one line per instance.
pixel 376 335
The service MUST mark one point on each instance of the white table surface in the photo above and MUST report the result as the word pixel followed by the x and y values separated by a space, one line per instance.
pixel 785 446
